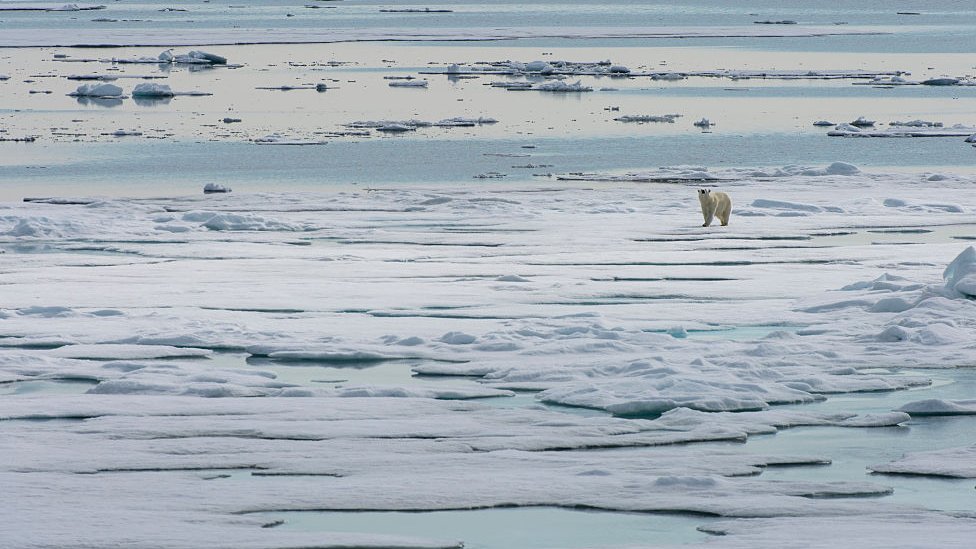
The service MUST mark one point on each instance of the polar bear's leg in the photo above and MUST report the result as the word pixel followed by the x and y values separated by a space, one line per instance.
pixel 709 213
pixel 723 215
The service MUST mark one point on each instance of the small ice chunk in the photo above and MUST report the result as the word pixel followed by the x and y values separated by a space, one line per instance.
pixel 408 84
pixel 215 188
pixel 211 58
pixel 641 118
pixel 560 86
pixel 395 128
pixel 842 168
pixel 823 123
pixel 862 122
pixel 97 90
pixel 148 89
pixel 940 82
pixel 847 128
pixel 704 123
pixel 939 407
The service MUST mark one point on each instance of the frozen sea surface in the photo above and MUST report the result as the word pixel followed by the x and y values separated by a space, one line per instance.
pixel 280 355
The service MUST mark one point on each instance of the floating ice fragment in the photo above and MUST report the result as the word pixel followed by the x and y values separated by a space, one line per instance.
pixel 846 128
pixel 842 168
pixel 647 118
pixel 862 122
pixel 204 56
pixel 939 407
pixel 215 188
pixel 278 139
pixel 949 462
pixel 704 123
pixel 513 85
pixel 917 124
pixel 147 89
pixel 560 86
pixel 823 123
pixel 940 82
pixel 408 84
pixel 395 128
pixel 97 90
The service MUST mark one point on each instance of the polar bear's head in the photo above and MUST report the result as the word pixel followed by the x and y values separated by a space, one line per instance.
pixel 704 193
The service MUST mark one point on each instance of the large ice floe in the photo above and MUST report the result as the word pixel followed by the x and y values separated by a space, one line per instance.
pixel 184 366
pixel 117 36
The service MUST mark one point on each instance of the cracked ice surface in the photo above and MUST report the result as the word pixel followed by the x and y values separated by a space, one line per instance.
pixel 828 280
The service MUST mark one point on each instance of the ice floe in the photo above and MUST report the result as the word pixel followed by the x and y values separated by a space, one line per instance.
pixel 211 188
pixel 641 118
pixel 222 344
pixel 279 139
pixel 560 86
pixel 408 84
pixel 108 91
pixel 917 128
pixel 951 462
pixel 166 37
pixel 939 407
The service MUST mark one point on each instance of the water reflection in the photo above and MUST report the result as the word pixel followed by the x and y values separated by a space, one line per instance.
pixel 144 101
pixel 107 102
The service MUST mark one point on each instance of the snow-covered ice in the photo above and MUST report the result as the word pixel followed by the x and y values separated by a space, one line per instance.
pixel 98 90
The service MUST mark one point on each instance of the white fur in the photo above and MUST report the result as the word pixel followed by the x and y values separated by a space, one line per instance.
pixel 715 204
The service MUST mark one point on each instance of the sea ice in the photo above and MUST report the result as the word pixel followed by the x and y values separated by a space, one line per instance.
pixel 560 86
pixel 670 118
pixel 408 84
pixel 950 462
pixel 210 188
pixel 960 275
pixel 939 407
pixel 147 89
pixel 471 282
pixel 98 90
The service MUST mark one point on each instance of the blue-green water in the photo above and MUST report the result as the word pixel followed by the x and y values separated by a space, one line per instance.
pixel 178 168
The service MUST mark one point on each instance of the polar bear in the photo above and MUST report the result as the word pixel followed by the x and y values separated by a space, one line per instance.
pixel 715 204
